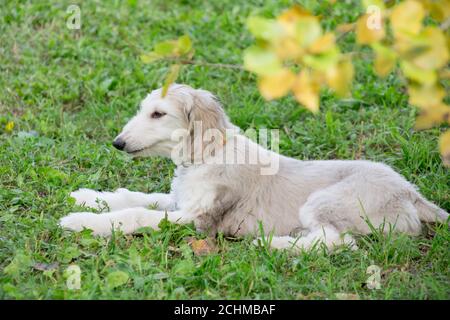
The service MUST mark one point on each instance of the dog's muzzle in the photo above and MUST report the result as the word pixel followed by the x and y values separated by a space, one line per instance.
pixel 119 144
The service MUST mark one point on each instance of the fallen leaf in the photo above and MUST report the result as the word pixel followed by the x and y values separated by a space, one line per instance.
pixel 41 266
pixel 202 247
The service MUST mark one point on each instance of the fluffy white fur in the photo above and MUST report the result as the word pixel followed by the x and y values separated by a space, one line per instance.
pixel 302 204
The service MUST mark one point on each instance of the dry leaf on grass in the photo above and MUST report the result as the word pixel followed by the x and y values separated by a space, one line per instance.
pixel 202 247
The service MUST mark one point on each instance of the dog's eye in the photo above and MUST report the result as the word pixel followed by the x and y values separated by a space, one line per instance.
pixel 157 114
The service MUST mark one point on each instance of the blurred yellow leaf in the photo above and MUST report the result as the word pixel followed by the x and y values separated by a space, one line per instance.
pixel 444 147
pixel 150 57
pixel 406 18
pixel 433 116
pixel 376 3
pixel 439 10
pixel 307 30
pixel 170 78
pixel 323 44
pixel 263 28
pixel 277 85
pixel 289 17
pixel 166 48
pixel 339 78
pixel 435 54
pixel 261 61
pixel 288 48
pixel 425 97
pixel 322 61
pixel 9 126
pixel 366 32
pixel 184 44
pixel 306 90
pixel 425 77
pixel 346 27
pixel 385 59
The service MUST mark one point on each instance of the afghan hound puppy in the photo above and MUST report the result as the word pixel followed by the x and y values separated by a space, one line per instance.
pixel 225 182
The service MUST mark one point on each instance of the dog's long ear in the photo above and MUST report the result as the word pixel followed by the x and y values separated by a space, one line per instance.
pixel 207 110
pixel 204 114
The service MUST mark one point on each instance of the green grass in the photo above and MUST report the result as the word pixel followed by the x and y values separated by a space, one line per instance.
pixel 75 90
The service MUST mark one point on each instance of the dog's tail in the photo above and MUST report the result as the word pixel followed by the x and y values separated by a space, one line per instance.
pixel 427 211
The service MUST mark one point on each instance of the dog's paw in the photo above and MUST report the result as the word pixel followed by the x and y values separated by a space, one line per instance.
pixel 78 221
pixel 86 197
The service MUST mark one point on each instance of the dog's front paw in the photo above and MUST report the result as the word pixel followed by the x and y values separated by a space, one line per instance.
pixel 86 197
pixel 77 221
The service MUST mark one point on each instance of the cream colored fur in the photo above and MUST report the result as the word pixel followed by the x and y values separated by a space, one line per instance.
pixel 303 203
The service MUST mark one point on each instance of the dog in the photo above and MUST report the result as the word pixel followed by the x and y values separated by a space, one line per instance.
pixel 299 203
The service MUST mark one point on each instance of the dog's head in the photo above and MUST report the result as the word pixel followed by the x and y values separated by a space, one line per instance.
pixel 151 131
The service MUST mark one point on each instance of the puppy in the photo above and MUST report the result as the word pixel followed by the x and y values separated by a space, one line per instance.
pixel 227 183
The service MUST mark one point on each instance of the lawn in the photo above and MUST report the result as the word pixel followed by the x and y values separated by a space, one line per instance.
pixel 70 92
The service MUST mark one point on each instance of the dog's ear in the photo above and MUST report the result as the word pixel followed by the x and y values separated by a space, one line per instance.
pixel 207 110
pixel 207 124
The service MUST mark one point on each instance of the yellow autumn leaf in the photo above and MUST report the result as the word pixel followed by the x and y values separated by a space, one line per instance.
pixel 9 126
pixel 373 3
pixel 346 27
pixel 406 18
pixel 339 78
pixel 306 90
pixel 323 44
pixel 261 61
pixel 426 97
pixel 385 59
pixel 368 31
pixel 411 71
pixel 444 147
pixel 307 30
pixel 435 54
pixel 290 17
pixel 288 48
pixel 433 116
pixel 277 85
pixel 439 10
pixel 170 78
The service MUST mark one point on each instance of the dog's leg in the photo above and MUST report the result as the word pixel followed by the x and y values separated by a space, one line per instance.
pixel 326 235
pixel 121 199
pixel 128 220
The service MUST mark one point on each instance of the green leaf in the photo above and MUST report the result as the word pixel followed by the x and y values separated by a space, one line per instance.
pixel 170 78
pixel 150 57
pixel 184 44
pixel 166 48
pixel 116 279
pixel 262 28
pixel 260 61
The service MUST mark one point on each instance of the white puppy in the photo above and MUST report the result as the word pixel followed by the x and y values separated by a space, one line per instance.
pixel 220 189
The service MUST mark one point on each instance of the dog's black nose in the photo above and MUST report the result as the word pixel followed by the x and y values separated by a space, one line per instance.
pixel 119 144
